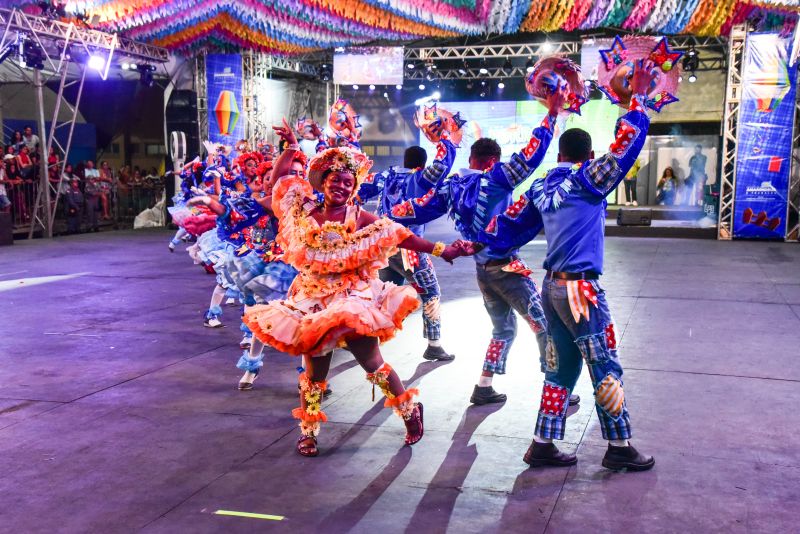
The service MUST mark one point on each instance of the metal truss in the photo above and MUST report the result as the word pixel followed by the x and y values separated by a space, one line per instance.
pixel 793 232
pixel 57 30
pixel 458 62
pixel 501 51
pixel 730 131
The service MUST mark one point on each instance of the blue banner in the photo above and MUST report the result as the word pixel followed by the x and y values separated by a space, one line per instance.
pixel 764 151
pixel 224 87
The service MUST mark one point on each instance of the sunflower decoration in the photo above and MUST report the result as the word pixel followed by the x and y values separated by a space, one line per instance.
pixel 312 396
pixel 340 159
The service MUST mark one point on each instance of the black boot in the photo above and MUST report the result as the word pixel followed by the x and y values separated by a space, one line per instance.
pixel 541 454
pixel 437 354
pixel 486 395
pixel 618 458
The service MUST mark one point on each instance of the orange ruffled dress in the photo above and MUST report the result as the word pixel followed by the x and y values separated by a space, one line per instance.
pixel 337 294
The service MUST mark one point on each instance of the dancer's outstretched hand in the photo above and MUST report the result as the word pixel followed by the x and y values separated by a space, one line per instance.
pixel 286 133
pixel 643 77
pixel 557 99
pixel 200 199
pixel 460 248
pixel 468 248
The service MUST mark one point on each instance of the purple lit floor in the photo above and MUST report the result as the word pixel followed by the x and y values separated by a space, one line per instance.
pixel 119 411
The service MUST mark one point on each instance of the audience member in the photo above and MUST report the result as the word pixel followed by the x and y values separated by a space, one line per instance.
pixel 75 203
pixel 30 139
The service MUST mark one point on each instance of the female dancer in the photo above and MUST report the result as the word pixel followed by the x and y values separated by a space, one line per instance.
pixel 337 299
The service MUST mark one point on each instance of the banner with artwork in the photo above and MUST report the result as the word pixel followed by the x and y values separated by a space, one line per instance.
pixel 764 152
pixel 224 87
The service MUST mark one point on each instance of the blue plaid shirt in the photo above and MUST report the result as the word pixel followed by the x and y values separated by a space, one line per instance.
pixel 473 198
pixel 575 224
pixel 399 184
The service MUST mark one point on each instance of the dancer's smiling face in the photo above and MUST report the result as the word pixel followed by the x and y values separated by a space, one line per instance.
pixel 338 188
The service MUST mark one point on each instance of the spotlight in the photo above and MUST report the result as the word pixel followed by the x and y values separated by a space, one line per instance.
pixel 507 65
pixel 422 87
pixel 411 66
pixel 483 83
pixel 436 95
pixel 32 55
pixel 483 95
pixel 529 65
pixel 125 65
pixel 146 74
pixel 325 73
pixel 97 63
pixel 371 87
pixel 462 71
pixel 546 47
pixel 398 86
pixel 483 70
pixel 385 95
pixel 355 87
pixel 691 60
pixel 501 85
pixel 692 78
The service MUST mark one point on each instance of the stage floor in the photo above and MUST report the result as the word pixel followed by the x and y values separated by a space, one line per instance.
pixel 119 411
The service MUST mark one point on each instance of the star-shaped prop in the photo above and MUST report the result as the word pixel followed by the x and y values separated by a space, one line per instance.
pixel 615 55
pixel 458 121
pixel 574 103
pixel 660 100
pixel 664 57
pixel 429 113
pixel 609 92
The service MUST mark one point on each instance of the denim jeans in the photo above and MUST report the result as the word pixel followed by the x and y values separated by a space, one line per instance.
pixel 503 294
pixel 423 280
pixel 568 344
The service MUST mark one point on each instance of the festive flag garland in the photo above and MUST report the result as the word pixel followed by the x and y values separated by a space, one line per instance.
pixel 291 27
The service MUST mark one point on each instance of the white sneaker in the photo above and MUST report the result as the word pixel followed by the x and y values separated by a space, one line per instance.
pixel 213 323
pixel 246 382
pixel 246 342
pixel 171 246
pixel 635 203
pixel 627 203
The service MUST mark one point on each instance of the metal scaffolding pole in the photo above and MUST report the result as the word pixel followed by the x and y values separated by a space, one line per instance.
pixel 44 184
pixel 793 232
pixel 730 131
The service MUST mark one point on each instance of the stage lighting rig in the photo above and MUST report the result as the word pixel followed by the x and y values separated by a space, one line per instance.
pixel 146 74
pixel 691 61
pixel 325 72
pixel 31 55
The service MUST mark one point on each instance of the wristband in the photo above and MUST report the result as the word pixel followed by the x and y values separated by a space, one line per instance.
pixel 295 146
pixel 438 248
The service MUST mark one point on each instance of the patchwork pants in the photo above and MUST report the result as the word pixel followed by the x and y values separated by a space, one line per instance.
pixel 423 280
pixel 568 345
pixel 504 293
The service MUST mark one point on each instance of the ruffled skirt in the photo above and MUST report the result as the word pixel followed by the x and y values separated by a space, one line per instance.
pixel 194 219
pixel 315 326
pixel 264 281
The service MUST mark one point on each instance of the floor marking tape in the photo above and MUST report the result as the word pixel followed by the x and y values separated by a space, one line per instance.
pixel 250 515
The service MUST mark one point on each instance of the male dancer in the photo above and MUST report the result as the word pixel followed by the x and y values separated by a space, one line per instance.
pixel 474 197
pixel 393 187
pixel 571 201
